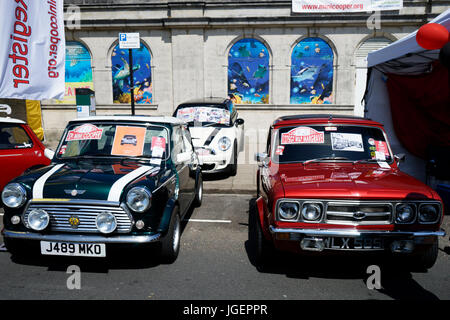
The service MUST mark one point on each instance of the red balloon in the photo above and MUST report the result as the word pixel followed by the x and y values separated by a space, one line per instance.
pixel 432 36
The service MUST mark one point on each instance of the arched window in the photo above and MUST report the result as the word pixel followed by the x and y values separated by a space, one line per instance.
pixel 312 72
pixel 142 75
pixel 248 72
pixel 78 70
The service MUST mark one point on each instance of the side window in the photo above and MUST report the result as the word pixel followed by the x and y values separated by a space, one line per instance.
pixel 177 142
pixel 13 136
pixel 187 140
pixel 269 137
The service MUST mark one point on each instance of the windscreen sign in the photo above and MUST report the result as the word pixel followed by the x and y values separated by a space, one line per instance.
pixel 335 6
pixel 33 49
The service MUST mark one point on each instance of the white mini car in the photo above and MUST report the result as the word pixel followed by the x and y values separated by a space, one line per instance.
pixel 217 133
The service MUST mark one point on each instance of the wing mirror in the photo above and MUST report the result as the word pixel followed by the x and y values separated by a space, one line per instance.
pixel 401 157
pixel 240 121
pixel 262 158
pixel 49 153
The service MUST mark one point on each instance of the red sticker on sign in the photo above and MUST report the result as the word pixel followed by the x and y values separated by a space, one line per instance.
pixel 85 132
pixel 302 135
pixel 279 151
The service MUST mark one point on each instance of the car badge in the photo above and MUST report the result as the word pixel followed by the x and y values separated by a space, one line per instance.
pixel 74 192
pixel 359 215
pixel 74 221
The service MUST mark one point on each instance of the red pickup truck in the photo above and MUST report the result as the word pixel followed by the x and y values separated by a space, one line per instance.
pixel 332 183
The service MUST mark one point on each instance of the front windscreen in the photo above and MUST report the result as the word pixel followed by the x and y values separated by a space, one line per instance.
pixel 114 140
pixel 204 115
pixel 322 143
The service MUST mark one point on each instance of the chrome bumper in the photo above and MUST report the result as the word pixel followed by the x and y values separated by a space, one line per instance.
pixel 119 239
pixel 356 233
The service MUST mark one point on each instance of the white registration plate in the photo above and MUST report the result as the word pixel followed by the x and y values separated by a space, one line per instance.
pixel 342 243
pixel 73 249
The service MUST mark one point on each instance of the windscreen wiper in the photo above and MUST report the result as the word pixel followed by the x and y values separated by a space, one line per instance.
pixel 324 159
pixel 365 160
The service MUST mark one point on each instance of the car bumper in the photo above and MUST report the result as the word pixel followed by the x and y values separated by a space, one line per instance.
pixel 118 239
pixel 355 233
pixel 362 240
pixel 214 163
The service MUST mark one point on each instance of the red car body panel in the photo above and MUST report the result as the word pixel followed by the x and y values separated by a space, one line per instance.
pixel 334 181
pixel 13 162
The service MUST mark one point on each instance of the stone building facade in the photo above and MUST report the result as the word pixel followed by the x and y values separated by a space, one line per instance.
pixel 190 43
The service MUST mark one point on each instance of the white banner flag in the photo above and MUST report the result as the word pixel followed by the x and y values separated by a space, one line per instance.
pixel 32 51
pixel 312 6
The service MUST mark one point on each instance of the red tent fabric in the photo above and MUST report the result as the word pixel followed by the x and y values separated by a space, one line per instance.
pixel 420 108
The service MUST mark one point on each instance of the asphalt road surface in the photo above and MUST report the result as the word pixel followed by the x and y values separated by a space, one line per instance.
pixel 215 262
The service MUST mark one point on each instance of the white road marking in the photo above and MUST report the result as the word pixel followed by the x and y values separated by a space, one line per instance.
pixel 206 220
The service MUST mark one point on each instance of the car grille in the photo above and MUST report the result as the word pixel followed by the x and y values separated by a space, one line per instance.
pixel 358 213
pixel 61 212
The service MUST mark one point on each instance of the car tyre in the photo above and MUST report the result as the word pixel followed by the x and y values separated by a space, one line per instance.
pixel 13 247
pixel 199 191
pixel 427 258
pixel 170 245
pixel 263 249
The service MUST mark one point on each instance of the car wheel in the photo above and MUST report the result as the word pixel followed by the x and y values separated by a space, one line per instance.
pixel 233 166
pixel 170 245
pixel 13 247
pixel 199 191
pixel 427 258
pixel 263 249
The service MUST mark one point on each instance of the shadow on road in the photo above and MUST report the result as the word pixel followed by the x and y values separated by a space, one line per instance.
pixel 395 282
pixel 216 176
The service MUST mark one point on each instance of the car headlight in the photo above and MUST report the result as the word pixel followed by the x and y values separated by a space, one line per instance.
pixel 138 199
pixel 224 143
pixel 406 213
pixel 288 210
pixel 14 195
pixel 311 211
pixel 106 222
pixel 38 219
pixel 428 213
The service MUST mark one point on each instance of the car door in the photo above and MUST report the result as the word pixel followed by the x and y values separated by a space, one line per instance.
pixel 239 128
pixel 16 152
pixel 182 168
pixel 192 163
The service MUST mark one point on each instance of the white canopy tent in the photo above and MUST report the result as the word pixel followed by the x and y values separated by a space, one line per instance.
pixel 403 57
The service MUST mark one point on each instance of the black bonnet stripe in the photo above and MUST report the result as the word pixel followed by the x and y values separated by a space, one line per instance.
pixel 211 136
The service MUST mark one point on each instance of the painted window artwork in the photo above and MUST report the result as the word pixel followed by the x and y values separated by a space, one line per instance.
pixel 78 71
pixel 142 75
pixel 248 72
pixel 312 72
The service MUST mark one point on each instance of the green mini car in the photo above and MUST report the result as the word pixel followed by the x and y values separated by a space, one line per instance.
pixel 98 192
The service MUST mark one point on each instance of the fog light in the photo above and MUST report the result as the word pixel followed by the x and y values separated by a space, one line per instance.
pixel 140 224
pixel 312 244
pixel 106 222
pixel 15 219
pixel 402 246
pixel 38 219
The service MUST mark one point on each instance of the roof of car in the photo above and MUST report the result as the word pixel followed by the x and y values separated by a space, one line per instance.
pixel 11 120
pixel 320 118
pixel 151 119
pixel 209 100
